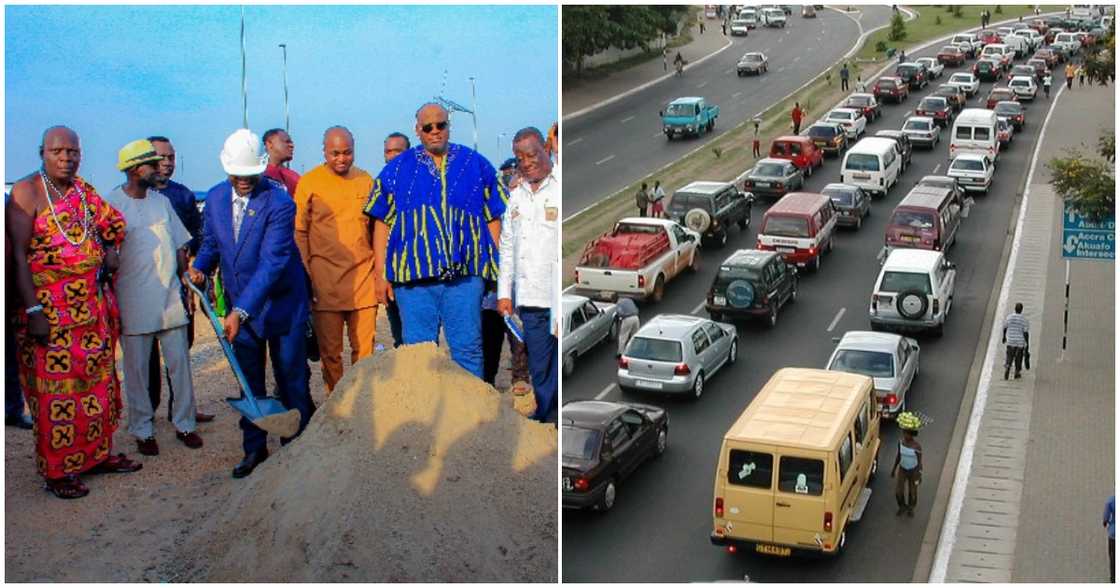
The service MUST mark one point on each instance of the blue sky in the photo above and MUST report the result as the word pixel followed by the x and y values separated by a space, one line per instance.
pixel 118 73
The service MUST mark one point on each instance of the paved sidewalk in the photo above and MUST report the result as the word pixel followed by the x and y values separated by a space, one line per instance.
pixel 1043 461
pixel 579 95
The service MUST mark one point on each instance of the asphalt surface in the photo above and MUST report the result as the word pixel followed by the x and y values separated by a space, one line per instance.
pixel 615 145
pixel 658 530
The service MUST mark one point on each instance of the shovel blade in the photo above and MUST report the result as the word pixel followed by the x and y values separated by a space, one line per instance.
pixel 256 408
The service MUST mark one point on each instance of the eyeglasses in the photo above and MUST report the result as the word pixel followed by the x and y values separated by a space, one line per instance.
pixel 441 125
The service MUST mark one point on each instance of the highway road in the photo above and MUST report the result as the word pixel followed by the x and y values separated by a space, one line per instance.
pixel 614 145
pixel 658 530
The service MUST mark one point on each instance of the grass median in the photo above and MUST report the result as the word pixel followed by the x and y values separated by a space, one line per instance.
pixel 933 22
pixel 727 157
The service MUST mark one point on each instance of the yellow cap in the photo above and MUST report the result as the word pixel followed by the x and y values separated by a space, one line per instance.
pixel 135 153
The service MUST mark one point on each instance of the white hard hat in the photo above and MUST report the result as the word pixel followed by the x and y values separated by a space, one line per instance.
pixel 241 154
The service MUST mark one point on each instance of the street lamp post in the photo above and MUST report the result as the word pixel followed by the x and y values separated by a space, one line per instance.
pixel 244 91
pixel 474 109
pixel 287 122
pixel 499 145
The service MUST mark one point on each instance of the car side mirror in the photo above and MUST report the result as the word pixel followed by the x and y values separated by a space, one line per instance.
pixel 660 113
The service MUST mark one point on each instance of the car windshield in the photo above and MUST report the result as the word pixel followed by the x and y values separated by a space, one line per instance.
pixel 730 273
pixel 687 201
pixel 913 220
pixel 841 196
pixel 1007 109
pixel 905 70
pixel 971 165
pixel 680 110
pixel 770 170
pixel 949 49
pixel 885 83
pixel 859 101
pixel 861 162
pixel 933 103
pixel 1025 83
pixel 903 281
pixel 916 125
pixel 739 22
pixel 875 364
pixel 961 79
pixel 752 57
pixel 822 132
pixel 636 229
pixel 654 349
pixel 840 115
pixel 984 65
pixel 580 443
pixel 785 226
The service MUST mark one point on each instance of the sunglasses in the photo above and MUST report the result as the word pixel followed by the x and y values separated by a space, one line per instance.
pixel 441 125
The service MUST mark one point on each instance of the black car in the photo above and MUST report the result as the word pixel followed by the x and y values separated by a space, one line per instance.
pixel 913 74
pixel 603 442
pixel 937 108
pixel 751 284
pixel 773 178
pixel 904 145
pixel 710 208
pixel 987 70
pixel 851 204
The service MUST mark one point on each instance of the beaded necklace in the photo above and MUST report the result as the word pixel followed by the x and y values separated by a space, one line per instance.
pixel 85 221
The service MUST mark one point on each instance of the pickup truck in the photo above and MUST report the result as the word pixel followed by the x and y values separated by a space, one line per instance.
pixel 688 116
pixel 636 258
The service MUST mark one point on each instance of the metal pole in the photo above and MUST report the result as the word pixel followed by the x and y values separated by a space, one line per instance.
pixel 474 117
pixel 1065 318
pixel 244 91
pixel 287 122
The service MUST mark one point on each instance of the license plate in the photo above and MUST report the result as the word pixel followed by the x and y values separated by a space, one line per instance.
pixel 773 550
pixel 606 294
pixel 862 176
pixel 786 249
pixel 763 184
pixel 910 238
pixel 648 385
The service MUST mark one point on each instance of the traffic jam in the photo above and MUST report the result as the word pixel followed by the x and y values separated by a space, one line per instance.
pixel 864 233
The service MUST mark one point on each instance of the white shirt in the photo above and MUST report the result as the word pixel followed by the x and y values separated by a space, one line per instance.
pixel 148 283
pixel 528 253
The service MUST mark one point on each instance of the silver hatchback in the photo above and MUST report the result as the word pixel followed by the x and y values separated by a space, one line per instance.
pixel 677 353
pixel 890 360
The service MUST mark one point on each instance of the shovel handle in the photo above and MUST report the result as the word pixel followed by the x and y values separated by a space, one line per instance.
pixel 219 331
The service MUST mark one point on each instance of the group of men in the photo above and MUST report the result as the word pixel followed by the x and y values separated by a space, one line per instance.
pixel 439 237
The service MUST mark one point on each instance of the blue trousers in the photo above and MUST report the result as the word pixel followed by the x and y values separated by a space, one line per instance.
pixel 289 367
pixel 452 304
pixel 543 366
pixel 13 393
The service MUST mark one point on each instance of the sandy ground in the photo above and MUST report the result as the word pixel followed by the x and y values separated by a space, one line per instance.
pixel 134 527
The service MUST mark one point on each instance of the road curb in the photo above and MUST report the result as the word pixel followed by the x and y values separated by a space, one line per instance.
pixel 637 89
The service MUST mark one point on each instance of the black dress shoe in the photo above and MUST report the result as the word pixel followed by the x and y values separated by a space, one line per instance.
pixel 250 463
pixel 19 422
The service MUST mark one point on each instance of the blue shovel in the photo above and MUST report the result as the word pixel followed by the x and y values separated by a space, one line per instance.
pixel 262 412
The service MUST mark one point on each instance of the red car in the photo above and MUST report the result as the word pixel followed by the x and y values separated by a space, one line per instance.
pixel 1000 95
pixel 989 36
pixel 950 55
pixel 1050 57
pixel 865 103
pixel 802 151
pixel 897 89
pixel 1040 25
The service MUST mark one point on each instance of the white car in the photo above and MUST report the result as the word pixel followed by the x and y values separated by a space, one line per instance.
pixel 1023 87
pixel 851 119
pixel 973 172
pixel 773 17
pixel 752 63
pixel 740 26
pixel 922 130
pixel 933 66
pixel 914 290
pixel 967 82
pixel 890 360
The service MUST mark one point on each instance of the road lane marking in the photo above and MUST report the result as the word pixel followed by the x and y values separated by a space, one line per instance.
pixel 736 94
pixel 796 59
pixel 937 167
pixel 701 84
pixel 605 159
pixel 606 391
pixel 832 325
pixel 627 119
pixel 780 69
pixel 698 307
pixel 570 143
pixel 727 71
pixel 656 135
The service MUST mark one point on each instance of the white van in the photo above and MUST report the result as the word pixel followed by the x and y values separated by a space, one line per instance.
pixel 1018 45
pixel 974 131
pixel 873 164
pixel 1004 53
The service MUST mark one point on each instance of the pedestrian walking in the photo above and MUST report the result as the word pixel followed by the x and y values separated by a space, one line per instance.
pixel 797 115
pixel 860 85
pixel 756 147
pixel 1016 335
pixel 701 25
pixel 657 200
pixel 1070 70
pixel 437 268
pixel 63 235
pixel 249 231
pixel 665 58
pixel 1110 526
pixel 1081 76
pixel 628 323
pixel 149 294
pixel 907 469
pixel 641 199
pixel 528 265
pixel 844 78
pixel 723 27
pixel 1046 81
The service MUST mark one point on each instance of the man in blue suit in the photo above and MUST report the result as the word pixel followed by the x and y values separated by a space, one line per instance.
pixel 249 231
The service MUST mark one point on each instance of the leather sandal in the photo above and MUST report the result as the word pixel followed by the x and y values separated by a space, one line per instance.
pixel 67 487
pixel 116 464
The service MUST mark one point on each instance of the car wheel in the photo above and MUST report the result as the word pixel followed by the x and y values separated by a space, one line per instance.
pixel 715 316
pixel 569 365
pixel 859 223
pixel 723 240
pixel 698 386
pixel 615 327
pixel 658 289
pixel 939 330
pixel 793 293
pixel 831 244
pixel 609 494
pixel 662 441
pixel 733 354
pixel 874 470
pixel 694 263
pixel 744 222
pixel 809 171
pixel 817 263
pixel 772 318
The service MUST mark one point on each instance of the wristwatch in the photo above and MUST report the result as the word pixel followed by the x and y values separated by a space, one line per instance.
pixel 30 310
pixel 241 313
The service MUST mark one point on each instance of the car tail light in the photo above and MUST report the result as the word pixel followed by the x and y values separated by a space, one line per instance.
pixel 682 369
pixel 890 399
pixel 577 276
pixel 828 522
pixel 765 299
pixel 937 244
pixel 748 184
pixel 732 549
pixel 641 281
pixel 581 484
pixel 715 223
pixel 875 304
pixel 779 185
pixel 623 362
pixel 812 251
pixel 719 507
pixel 936 306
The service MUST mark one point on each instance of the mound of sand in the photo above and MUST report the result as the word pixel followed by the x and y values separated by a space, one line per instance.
pixel 413 470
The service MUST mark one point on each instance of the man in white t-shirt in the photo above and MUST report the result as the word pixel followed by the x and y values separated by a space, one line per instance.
pixel 153 257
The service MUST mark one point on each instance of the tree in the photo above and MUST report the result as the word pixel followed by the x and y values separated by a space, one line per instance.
pixel 898 28
pixel 1087 183
pixel 589 29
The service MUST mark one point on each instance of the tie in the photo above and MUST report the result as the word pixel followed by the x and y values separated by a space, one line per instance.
pixel 239 204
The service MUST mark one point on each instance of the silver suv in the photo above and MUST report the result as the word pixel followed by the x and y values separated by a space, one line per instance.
pixel 677 353
pixel 914 291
